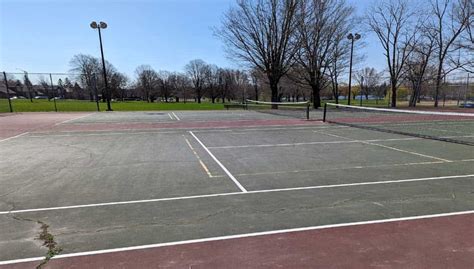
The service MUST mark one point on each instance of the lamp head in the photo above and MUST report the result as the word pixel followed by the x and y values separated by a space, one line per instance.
pixel 350 36
pixel 357 36
pixel 94 25
pixel 103 25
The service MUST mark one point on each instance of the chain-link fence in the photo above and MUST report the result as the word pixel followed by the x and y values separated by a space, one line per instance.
pixel 24 92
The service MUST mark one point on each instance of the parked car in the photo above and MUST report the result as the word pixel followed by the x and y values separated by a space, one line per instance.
pixel 468 104
pixel 17 97
pixel 41 97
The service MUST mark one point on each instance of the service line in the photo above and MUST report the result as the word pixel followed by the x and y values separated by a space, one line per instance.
pixel 236 193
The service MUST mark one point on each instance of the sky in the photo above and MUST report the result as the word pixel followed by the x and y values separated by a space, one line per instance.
pixel 43 35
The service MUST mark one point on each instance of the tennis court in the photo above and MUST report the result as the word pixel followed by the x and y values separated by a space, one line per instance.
pixel 233 189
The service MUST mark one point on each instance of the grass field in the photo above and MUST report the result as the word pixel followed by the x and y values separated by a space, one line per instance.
pixel 77 105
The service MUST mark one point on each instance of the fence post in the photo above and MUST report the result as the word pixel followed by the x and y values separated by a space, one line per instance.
pixel 52 90
pixel 8 92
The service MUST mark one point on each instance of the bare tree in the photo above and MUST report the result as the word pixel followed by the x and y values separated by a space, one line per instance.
pixel 256 77
pixel 118 82
pixel 368 79
pixel 319 20
pixel 392 22
pixel 147 82
pixel 164 82
pixel 29 86
pixel 46 86
pixel 451 19
pixel 197 70
pixel 213 82
pixel 85 66
pixel 419 62
pixel 261 33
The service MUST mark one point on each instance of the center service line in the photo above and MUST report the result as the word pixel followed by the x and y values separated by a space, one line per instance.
pixel 219 163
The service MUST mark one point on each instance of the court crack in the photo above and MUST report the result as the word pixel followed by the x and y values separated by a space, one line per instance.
pixel 46 238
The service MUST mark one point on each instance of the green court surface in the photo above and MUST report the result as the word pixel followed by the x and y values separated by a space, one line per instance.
pixel 155 182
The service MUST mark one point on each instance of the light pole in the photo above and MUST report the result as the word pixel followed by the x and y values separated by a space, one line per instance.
pixel 352 38
pixel 103 25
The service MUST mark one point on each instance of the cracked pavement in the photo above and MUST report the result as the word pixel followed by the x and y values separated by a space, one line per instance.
pixel 46 171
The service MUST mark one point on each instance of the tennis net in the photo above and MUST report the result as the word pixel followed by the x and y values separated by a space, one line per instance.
pixel 451 127
pixel 299 110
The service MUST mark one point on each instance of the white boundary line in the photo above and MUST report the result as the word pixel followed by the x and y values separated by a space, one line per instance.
pixel 387 147
pixel 80 117
pixel 131 132
pixel 235 193
pixel 312 143
pixel 175 116
pixel 427 112
pixel 406 151
pixel 13 137
pixel 219 163
pixel 169 115
pixel 247 235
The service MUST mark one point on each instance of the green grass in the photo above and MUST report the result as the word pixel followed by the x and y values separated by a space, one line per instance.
pixel 78 105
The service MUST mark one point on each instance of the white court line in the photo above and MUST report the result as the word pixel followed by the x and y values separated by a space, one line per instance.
pixel 169 115
pixel 409 152
pixel 233 193
pixel 310 143
pixel 13 137
pixel 66 121
pixel 387 147
pixel 283 145
pixel 346 168
pixel 243 130
pixel 219 163
pixel 175 116
pixel 74 134
pixel 199 158
pixel 246 235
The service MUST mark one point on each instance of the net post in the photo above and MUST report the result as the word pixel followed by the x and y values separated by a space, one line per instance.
pixel 324 113
pixel 8 92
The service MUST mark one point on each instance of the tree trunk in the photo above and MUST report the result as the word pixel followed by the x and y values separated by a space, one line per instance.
pixel 316 97
pixel 394 94
pixel 315 87
pixel 199 95
pixel 438 84
pixel 256 93
pixel 274 90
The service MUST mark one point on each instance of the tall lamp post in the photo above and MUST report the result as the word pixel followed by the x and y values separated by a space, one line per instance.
pixel 103 25
pixel 352 38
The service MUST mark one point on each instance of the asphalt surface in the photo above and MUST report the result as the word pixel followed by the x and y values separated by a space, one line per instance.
pixel 330 164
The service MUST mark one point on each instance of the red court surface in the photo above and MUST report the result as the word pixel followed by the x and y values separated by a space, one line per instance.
pixel 441 242
pixel 183 124
pixel 18 123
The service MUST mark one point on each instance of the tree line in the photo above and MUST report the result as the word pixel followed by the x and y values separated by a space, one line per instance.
pixel 199 79
pixel 305 40
pixel 299 50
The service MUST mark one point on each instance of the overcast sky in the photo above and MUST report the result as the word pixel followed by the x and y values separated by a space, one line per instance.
pixel 42 35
